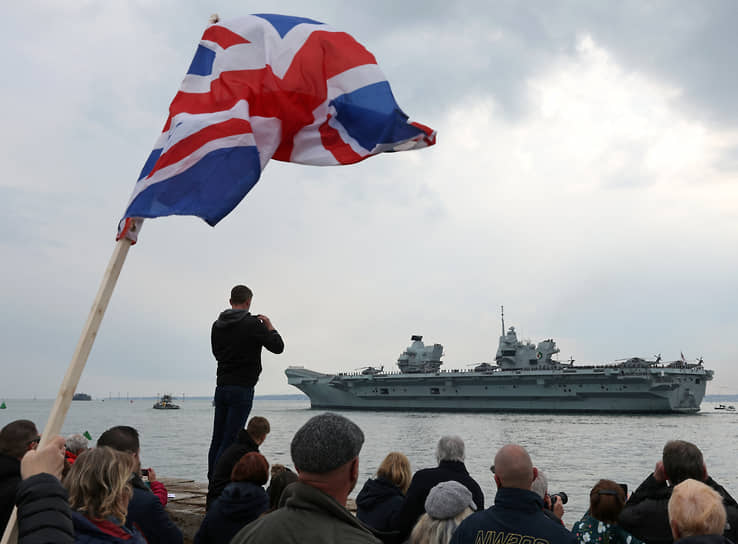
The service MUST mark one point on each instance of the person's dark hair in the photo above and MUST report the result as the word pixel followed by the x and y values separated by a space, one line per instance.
pixel 606 500
pixel 252 467
pixel 241 294
pixel 121 438
pixel 16 436
pixel 258 427
pixel 682 461
pixel 279 481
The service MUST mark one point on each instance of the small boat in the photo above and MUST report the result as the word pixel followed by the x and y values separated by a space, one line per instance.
pixel 2 405
pixel 165 403
pixel 729 408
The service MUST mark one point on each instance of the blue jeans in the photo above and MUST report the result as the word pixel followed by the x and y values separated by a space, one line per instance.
pixel 232 408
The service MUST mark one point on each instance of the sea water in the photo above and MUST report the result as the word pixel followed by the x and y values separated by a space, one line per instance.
pixel 573 450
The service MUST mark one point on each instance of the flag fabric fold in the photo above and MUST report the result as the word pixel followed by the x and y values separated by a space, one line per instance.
pixel 262 87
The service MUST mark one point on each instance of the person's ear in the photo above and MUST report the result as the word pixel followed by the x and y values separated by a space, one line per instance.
pixel 498 482
pixel 674 529
pixel 355 469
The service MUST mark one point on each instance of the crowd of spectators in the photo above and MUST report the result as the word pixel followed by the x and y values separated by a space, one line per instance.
pixel 69 492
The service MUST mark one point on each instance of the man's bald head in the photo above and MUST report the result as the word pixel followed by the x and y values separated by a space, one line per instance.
pixel 513 467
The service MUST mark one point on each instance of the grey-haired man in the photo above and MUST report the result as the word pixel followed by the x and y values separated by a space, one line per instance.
pixel 450 456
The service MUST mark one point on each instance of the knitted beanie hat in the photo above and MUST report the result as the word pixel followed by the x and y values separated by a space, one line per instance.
pixel 325 443
pixel 448 499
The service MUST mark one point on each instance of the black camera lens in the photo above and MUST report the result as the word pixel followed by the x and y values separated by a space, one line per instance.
pixel 561 495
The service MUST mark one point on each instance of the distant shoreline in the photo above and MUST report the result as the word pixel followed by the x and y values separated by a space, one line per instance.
pixel 292 396
pixel 300 397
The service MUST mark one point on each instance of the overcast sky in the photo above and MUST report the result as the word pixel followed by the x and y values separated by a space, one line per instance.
pixel 585 177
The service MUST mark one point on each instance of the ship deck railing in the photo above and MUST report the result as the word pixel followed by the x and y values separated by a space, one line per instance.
pixel 633 369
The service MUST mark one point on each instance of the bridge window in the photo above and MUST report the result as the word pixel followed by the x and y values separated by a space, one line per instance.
pixel 384 391
pixel 435 391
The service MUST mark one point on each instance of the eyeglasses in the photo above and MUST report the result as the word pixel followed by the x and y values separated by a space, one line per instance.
pixel 34 441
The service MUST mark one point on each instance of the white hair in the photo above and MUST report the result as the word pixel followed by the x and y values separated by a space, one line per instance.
pixel 450 448
pixel 76 443
pixel 540 485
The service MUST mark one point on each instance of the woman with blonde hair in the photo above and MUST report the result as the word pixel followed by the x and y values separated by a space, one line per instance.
pixel 99 491
pixel 381 499
pixel 447 505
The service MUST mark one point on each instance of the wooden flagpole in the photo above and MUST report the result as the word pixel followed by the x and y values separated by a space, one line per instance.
pixel 79 359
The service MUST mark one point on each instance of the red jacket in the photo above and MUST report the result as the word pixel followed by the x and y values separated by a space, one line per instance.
pixel 160 491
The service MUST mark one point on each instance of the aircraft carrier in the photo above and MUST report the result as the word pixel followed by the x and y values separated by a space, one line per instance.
pixel 524 378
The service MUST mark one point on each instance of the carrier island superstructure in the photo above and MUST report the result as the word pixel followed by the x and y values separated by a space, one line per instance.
pixel 525 377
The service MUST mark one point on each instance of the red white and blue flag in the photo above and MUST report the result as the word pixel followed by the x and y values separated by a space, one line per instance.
pixel 261 87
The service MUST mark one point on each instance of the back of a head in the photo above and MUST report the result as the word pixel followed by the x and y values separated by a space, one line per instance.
pixel 450 448
pixel 513 467
pixel 325 442
pixel 252 467
pixel 437 531
pixel 696 509
pixel 76 443
pixel 395 468
pixel 240 294
pixel 16 436
pixel 447 505
pixel 121 438
pixel 258 427
pixel 540 485
pixel 682 460
pixel 97 481
pixel 606 500
pixel 277 485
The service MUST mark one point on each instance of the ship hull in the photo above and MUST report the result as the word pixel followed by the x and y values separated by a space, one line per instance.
pixel 594 389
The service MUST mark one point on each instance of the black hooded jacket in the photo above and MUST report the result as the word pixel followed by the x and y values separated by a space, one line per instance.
pixel 222 473
pixel 237 338
pixel 378 504
pixel 646 515
pixel 238 505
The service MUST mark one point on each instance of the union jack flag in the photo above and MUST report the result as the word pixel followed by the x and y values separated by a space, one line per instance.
pixel 261 87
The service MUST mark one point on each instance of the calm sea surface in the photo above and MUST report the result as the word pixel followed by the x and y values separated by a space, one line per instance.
pixel 573 450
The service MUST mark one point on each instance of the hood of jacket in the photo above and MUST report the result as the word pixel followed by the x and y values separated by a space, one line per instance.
pixel 239 498
pixel 376 492
pixel 230 317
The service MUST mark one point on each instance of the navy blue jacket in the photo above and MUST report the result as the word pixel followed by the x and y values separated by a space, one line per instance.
pixel 423 481
pixel 378 504
pixel 517 512
pixel 239 504
pixel 86 532
pixel 146 513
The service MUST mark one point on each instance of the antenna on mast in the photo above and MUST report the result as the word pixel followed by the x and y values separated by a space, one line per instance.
pixel 502 311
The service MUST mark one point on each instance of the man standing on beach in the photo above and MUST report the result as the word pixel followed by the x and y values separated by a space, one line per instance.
pixel 237 338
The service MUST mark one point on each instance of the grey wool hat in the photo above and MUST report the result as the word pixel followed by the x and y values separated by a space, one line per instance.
pixel 325 443
pixel 448 499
